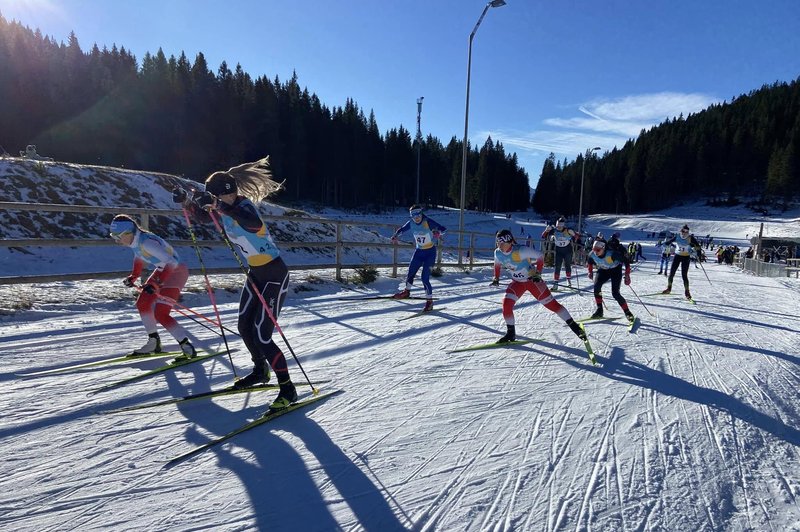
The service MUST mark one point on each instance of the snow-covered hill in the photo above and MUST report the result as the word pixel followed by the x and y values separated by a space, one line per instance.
pixel 691 423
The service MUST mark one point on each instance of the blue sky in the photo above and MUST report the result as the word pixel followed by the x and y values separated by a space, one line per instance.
pixel 560 76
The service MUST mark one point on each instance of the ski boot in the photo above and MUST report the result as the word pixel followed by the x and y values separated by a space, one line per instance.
pixel 259 375
pixel 286 396
pixel 668 289
pixel 555 287
pixel 569 282
pixel 188 351
pixel 630 316
pixel 688 294
pixel 511 335
pixel 597 314
pixel 428 306
pixel 402 294
pixel 660 272
pixel 153 345
pixel 577 329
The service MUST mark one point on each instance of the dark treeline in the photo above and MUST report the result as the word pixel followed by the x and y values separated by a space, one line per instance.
pixel 176 116
pixel 750 147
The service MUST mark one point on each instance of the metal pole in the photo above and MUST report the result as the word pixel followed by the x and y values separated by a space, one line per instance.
pixel 580 205
pixel 419 140
pixel 464 146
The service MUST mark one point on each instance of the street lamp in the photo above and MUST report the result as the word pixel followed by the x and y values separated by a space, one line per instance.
pixel 493 3
pixel 583 168
pixel 419 140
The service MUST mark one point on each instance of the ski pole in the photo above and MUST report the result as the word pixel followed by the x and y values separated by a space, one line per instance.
pixel 258 293
pixel 210 290
pixel 186 310
pixel 704 271
pixel 640 301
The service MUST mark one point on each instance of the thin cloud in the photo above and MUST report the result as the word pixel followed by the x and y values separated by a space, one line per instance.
pixel 602 122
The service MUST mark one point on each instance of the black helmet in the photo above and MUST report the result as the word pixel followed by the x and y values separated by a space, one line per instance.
pixel 504 235
pixel 220 183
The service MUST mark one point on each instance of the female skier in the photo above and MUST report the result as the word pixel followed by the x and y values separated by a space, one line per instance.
pixel 168 278
pixel 687 247
pixel 426 233
pixel 609 257
pixel 233 194
pixel 525 265
pixel 562 237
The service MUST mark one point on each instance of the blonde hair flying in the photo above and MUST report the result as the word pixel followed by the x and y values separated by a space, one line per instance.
pixel 254 180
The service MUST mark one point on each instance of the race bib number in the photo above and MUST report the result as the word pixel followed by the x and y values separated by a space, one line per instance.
pixel 422 238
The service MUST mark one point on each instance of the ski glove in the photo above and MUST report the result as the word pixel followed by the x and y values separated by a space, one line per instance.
pixel 627 280
pixel 178 195
pixel 437 235
pixel 495 282
pixel 205 201
pixel 128 281
pixel 150 289
pixel 394 239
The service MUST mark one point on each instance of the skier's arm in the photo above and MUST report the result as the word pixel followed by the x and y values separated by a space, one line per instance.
pixel 402 229
pixel 435 226
pixel 546 232
pixel 244 213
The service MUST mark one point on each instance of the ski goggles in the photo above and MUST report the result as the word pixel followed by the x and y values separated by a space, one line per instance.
pixel 119 228
pixel 598 246
pixel 414 214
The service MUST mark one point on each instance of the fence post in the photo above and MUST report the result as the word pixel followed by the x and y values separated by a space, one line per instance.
pixel 394 260
pixel 339 251
pixel 471 250
pixel 145 222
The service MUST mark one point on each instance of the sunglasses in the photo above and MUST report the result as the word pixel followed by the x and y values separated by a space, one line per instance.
pixel 118 236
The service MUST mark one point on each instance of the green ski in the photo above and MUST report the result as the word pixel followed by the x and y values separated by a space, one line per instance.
pixel 268 416
pixel 156 371
pixel 494 345
pixel 230 390
pixel 104 362
pixel 420 313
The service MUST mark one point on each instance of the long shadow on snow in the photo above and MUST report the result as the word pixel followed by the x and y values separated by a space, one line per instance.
pixel 281 489
pixel 694 309
pixel 623 370
pixel 719 343
pixel 201 384
pixel 617 367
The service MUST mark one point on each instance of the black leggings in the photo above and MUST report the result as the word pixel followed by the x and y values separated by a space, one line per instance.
pixel 255 326
pixel 615 276
pixel 683 261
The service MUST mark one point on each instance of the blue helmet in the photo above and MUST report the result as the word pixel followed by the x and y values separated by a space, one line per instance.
pixel 121 225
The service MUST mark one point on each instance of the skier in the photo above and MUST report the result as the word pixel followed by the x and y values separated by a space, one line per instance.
pixel 426 234
pixel 666 253
pixel 563 238
pixel 609 257
pixel 233 194
pixel 525 265
pixel 686 248
pixel 168 278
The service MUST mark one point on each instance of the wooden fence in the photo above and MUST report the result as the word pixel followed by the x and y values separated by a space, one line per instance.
pixel 338 245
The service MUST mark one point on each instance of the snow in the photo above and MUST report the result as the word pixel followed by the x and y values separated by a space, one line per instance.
pixel 690 423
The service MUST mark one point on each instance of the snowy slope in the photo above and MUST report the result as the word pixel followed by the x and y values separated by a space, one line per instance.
pixel 691 423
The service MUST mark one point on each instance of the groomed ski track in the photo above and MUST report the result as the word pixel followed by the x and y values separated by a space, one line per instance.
pixel 691 423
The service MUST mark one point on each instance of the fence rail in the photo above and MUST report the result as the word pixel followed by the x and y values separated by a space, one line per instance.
pixel 144 215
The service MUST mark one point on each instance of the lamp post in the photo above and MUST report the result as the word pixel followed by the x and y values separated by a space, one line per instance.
pixel 419 141
pixel 493 3
pixel 580 205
